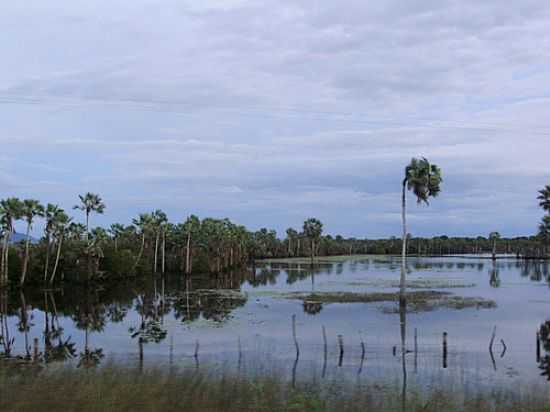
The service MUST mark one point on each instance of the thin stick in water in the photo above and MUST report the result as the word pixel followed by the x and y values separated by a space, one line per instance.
pixel 362 355
pixel 325 352
pixel 341 345
pixel 444 350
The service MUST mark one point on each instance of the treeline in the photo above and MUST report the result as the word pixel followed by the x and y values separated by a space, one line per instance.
pixel 73 251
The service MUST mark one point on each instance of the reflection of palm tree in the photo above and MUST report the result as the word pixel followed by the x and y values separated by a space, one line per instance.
pixel 24 325
pixel 90 317
pixel 494 279
pixel 403 329
pixel 312 307
pixel 150 328
pixel 5 339
pixel 544 363
pixel 64 349
pixel 90 357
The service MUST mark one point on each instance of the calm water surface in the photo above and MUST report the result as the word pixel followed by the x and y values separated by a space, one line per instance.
pixel 242 321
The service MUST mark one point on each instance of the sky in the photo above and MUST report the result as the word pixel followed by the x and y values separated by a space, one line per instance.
pixel 272 111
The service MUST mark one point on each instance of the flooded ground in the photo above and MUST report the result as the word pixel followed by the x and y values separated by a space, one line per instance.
pixel 243 321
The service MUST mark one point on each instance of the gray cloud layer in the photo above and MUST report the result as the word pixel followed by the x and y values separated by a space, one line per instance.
pixel 271 111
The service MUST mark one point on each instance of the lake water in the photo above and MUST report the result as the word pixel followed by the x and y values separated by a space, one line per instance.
pixel 242 321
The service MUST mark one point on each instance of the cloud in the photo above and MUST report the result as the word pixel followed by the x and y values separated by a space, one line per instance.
pixel 272 111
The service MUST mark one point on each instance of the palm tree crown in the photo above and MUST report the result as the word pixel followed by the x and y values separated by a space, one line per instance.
pixel 423 178
pixel 89 203
pixel 544 197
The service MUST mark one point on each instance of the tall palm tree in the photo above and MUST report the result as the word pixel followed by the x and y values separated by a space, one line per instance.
pixel 90 202
pixel 159 221
pixel 313 228
pixel 191 228
pixel 424 180
pixel 291 234
pixel 10 211
pixel 544 197
pixel 116 230
pixel 51 214
pixel 143 225
pixel 30 209
pixel 61 228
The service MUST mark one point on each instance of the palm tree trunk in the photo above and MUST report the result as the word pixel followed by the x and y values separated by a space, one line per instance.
pixel 47 263
pixel 163 263
pixel 59 243
pixel 289 247
pixel 312 250
pixel 156 253
pixel 87 225
pixel 7 254
pixel 404 243
pixel 2 262
pixel 188 254
pixel 403 329
pixel 26 258
pixel 140 251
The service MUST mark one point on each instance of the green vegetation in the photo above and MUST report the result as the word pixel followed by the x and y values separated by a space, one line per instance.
pixel 124 389
pixel 70 251
pixel 420 283
pixel 544 227
pixel 352 297
pixel 418 301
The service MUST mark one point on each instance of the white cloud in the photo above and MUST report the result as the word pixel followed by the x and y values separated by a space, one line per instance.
pixel 270 110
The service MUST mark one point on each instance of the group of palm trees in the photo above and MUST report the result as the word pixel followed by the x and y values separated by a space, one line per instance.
pixel 150 243
pixel 57 224
pixel 153 243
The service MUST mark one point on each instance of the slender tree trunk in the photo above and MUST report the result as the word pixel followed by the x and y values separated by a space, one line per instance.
pixel 403 330
pixel 156 252
pixel 7 254
pixel 116 243
pixel 87 225
pixel 188 254
pixel 494 249
pixel 47 263
pixel 289 248
pixel 163 263
pixel 3 258
pixel 140 252
pixel 59 243
pixel 404 243
pixel 26 258
pixel 312 250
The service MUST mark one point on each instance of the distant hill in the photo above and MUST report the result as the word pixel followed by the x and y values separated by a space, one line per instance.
pixel 20 237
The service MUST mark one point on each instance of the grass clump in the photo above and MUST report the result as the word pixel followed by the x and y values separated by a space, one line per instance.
pixel 417 301
pixel 420 283
pixel 353 297
pixel 116 388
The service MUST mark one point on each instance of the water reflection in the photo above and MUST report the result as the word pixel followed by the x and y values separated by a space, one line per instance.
pixel 73 324
pixel 544 361
pixel 494 278
pixel 90 310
